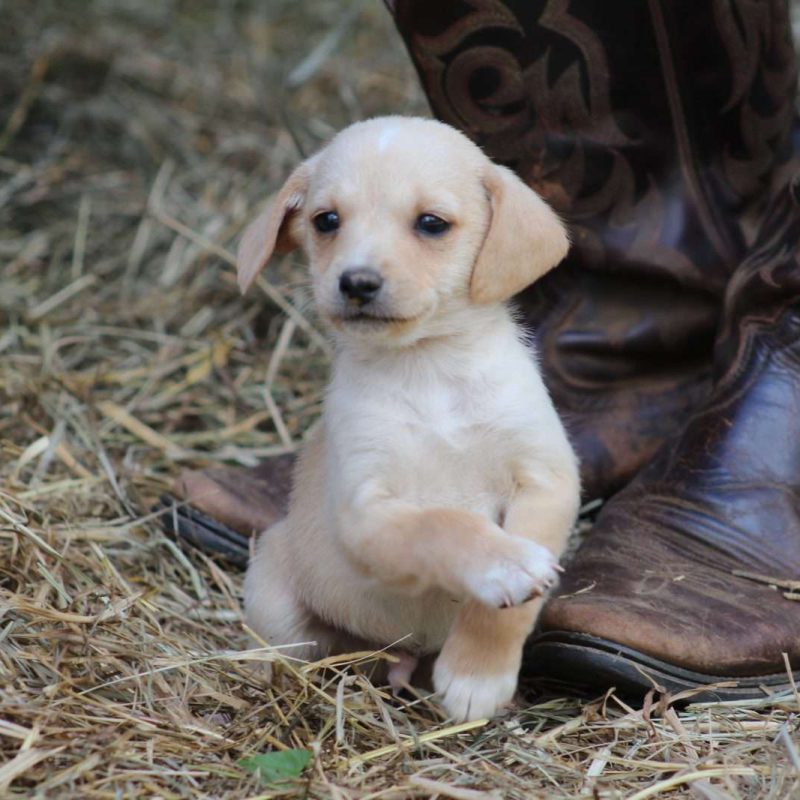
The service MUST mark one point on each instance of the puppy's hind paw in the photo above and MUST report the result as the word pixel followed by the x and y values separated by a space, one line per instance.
pixel 401 670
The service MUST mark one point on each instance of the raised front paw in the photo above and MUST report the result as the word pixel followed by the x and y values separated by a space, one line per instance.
pixel 467 695
pixel 517 570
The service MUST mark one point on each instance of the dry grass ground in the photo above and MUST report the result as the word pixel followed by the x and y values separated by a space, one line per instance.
pixel 135 141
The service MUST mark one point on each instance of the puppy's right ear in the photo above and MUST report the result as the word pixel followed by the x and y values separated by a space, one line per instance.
pixel 271 232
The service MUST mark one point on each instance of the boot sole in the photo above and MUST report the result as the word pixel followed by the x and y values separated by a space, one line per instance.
pixel 189 525
pixel 576 662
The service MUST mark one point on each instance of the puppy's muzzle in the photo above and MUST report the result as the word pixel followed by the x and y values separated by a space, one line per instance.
pixel 360 285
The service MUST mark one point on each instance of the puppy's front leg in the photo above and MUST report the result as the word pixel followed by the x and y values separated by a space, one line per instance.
pixel 476 672
pixel 460 552
pixel 545 505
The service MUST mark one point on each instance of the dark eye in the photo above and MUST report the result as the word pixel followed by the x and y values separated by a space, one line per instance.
pixel 326 222
pixel 431 224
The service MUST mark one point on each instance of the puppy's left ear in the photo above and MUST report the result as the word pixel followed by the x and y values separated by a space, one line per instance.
pixel 271 231
pixel 524 240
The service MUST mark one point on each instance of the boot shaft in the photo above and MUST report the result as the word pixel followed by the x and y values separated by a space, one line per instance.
pixel 658 128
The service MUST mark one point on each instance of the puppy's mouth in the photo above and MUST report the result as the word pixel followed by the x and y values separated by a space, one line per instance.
pixel 365 318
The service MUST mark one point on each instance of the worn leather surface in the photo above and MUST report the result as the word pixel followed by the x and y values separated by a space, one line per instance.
pixel 658 572
pixel 658 130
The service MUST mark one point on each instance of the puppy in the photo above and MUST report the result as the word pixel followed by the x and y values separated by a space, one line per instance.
pixel 432 505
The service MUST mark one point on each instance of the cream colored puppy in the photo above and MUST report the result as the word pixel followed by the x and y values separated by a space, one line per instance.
pixel 433 503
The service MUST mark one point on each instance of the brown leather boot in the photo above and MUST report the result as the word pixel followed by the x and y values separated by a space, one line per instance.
pixel 661 130
pixel 691 574
pixel 656 129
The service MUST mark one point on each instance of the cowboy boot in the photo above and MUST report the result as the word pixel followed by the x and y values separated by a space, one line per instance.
pixel 662 189
pixel 691 574
pixel 579 106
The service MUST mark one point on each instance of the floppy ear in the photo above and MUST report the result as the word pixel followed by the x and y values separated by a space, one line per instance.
pixel 271 232
pixel 524 240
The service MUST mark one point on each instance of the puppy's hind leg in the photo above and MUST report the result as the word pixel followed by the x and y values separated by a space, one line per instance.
pixel 277 615
pixel 272 608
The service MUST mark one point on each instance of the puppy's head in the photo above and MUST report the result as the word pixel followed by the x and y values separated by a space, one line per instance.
pixel 405 220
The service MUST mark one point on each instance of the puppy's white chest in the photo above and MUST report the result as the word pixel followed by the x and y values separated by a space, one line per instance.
pixel 451 415
pixel 448 449
pixel 434 433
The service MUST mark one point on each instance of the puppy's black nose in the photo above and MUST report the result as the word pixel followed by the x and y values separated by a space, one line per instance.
pixel 360 284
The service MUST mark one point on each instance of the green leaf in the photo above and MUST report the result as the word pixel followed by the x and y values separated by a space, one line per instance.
pixel 278 766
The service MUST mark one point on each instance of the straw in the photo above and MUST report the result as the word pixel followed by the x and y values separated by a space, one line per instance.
pixel 136 141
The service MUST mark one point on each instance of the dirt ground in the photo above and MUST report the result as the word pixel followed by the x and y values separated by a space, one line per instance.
pixel 136 139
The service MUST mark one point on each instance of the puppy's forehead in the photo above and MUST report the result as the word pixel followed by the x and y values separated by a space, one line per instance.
pixel 396 155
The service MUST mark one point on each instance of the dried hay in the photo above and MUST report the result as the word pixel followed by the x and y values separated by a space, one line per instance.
pixel 135 140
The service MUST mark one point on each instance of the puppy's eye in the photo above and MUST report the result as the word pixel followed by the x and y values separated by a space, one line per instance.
pixel 326 221
pixel 431 224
